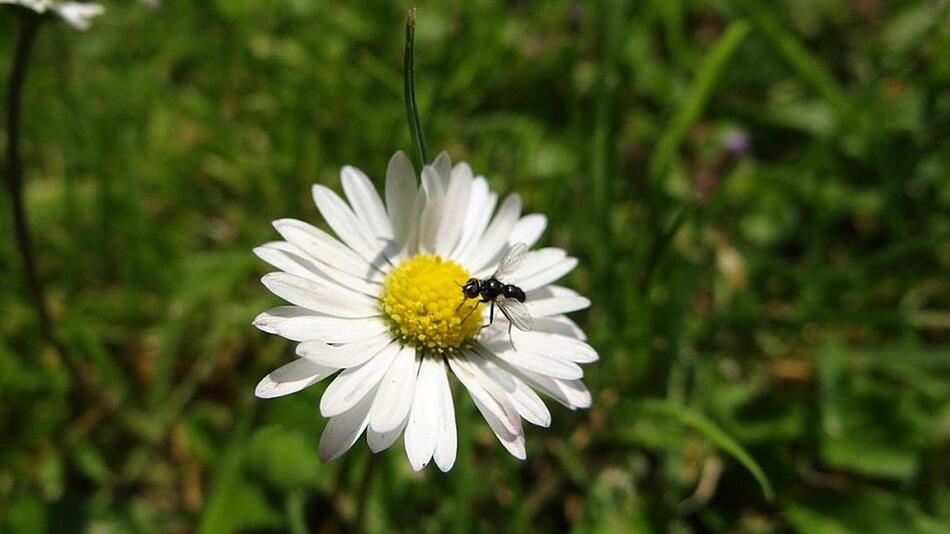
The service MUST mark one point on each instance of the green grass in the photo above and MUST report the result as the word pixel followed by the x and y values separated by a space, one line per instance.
pixel 774 325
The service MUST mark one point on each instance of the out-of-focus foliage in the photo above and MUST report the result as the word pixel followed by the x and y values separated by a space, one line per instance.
pixel 791 333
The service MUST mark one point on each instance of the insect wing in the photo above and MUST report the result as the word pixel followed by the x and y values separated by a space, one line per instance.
pixel 512 260
pixel 516 312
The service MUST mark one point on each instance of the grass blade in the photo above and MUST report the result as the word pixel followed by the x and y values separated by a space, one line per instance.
pixel 700 423
pixel 794 52
pixel 687 114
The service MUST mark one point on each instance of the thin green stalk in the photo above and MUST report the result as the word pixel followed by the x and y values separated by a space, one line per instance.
pixel 293 507
pixel 29 24
pixel 363 491
pixel 713 65
pixel 660 246
pixel 603 145
pixel 85 392
pixel 796 54
pixel 409 87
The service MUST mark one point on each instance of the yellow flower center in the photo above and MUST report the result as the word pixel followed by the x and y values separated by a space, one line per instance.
pixel 422 298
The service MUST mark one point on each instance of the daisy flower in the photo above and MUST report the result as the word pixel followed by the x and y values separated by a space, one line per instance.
pixel 382 305
pixel 79 15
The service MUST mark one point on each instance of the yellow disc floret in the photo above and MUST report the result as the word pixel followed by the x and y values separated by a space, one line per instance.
pixel 422 298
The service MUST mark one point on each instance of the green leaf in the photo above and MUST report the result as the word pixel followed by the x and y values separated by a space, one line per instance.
pixel 718 437
pixel 796 54
pixel 865 429
pixel 235 504
pixel 283 457
pixel 25 514
pixel 860 510
pixel 612 505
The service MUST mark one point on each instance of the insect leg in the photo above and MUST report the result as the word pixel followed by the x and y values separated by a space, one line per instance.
pixel 474 307
pixel 491 314
pixel 510 339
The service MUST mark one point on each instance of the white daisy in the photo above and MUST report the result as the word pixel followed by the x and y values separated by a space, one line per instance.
pixel 383 303
pixel 79 15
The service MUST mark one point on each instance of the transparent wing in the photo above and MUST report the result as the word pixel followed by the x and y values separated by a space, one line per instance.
pixel 512 260
pixel 516 312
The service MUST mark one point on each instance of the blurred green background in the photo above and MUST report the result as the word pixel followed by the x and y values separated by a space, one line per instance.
pixel 759 193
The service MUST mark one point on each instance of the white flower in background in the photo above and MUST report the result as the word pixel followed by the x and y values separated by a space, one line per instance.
pixel 79 15
pixel 384 304
pixel 40 6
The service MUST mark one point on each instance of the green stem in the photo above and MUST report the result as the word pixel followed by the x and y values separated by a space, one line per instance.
pixel 363 491
pixel 660 246
pixel 29 24
pixel 293 506
pixel 85 389
pixel 409 81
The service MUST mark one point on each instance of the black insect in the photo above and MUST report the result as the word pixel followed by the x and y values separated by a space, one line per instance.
pixel 508 297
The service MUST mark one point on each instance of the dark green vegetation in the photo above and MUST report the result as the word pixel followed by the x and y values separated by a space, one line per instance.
pixel 770 317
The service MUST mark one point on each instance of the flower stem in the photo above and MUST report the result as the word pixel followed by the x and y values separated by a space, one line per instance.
pixel 660 245
pixel 29 24
pixel 409 86
pixel 362 495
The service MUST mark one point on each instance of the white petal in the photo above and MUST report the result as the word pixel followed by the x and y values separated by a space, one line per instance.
pixel 456 203
pixel 554 345
pixel 284 260
pixel 78 14
pixel 529 404
pixel 331 329
pixel 486 391
pixel 326 249
pixel 401 198
pixel 522 358
pixel 320 298
pixel 495 240
pixel 380 441
pixel 425 421
pixel 269 320
pixel 291 378
pixel 571 393
pixel 443 167
pixel 514 443
pixel 345 224
pixel 576 392
pixel 343 430
pixel 447 446
pixel 396 391
pixel 561 325
pixel 477 215
pixel 534 262
pixel 537 260
pixel 549 275
pixel 39 6
pixel 291 259
pixel 354 383
pixel 528 230
pixel 343 356
pixel 556 305
pixel 365 200
pixel 552 290
pixel 431 216
pixel 525 401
